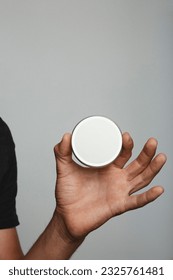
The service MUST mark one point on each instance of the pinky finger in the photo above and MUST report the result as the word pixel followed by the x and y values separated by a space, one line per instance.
pixel 140 200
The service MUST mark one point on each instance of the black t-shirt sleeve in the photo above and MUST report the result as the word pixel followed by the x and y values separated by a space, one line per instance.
pixel 8 179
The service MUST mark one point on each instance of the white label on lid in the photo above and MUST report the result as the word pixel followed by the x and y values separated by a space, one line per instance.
pixel 96 141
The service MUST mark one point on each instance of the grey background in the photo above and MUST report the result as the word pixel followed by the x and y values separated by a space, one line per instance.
pixel 61 61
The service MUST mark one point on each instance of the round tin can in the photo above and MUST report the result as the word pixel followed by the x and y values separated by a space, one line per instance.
pixel 96 141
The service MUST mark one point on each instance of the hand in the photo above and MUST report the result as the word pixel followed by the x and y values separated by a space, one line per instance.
pixel 88 197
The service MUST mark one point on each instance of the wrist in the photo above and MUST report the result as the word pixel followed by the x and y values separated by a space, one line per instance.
pixel 55 243
pixel 62 230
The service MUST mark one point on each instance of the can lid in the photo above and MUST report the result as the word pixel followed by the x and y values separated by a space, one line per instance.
pixel 96 141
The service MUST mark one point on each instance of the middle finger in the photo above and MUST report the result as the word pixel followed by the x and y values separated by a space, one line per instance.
pixel 143 160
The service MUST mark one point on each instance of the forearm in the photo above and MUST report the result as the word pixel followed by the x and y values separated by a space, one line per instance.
pixel 54 243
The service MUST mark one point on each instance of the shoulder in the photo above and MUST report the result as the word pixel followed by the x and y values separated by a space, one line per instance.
pixel 5 134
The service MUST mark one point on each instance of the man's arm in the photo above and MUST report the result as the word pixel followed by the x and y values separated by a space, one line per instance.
pixel 88 197
pixel 9 245
pixel 54 242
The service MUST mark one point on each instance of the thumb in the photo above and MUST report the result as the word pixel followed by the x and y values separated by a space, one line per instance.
pixel 63 150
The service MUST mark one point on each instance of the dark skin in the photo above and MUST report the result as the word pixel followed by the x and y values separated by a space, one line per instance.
pixel 88 197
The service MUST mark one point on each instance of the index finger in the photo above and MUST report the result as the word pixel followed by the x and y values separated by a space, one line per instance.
pixel 126 151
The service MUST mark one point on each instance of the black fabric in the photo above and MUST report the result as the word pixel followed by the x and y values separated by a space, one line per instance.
pixel 8 178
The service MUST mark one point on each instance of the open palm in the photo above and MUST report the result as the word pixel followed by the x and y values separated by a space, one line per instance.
pixel 88 197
